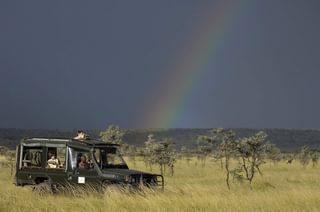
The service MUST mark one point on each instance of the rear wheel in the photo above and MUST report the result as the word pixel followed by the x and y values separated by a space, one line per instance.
pixel 43 188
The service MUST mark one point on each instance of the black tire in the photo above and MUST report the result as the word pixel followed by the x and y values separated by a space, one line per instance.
pixel 43 188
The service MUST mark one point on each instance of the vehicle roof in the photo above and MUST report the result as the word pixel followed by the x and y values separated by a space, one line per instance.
pixel 64 142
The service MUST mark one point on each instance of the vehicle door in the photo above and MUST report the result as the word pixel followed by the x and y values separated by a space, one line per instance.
pixel 31 164
pixel 82 169
pixel 56 167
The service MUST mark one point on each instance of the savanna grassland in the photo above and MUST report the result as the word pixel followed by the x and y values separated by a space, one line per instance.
pixel 283 187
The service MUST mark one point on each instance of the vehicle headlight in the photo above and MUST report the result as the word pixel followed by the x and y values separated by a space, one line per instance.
pixel 127 179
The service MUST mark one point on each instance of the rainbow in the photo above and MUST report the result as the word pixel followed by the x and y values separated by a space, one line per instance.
pixel 190 65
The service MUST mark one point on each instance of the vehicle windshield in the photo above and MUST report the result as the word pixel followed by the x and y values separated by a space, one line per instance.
pixel 109 157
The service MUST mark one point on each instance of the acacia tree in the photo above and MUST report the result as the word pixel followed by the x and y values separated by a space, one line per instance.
pixel 225 150
pixel 186 154
pixel 160 153
pixel 251 151
pixel 130 151
pixel 204 148
pixel 304 156
pixel 9 160
pixel 113 134
pixel 148 151
pixel 225 141
pixel 3 150
pixel 273 153
pixel 165 156
pixel 315 157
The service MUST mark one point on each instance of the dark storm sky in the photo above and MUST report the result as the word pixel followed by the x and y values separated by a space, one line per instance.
pixel 87 64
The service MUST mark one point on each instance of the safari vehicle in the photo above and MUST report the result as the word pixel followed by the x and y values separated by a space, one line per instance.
pixel 59 162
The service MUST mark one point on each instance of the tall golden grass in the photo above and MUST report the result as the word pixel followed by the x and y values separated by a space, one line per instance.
pixel 283 187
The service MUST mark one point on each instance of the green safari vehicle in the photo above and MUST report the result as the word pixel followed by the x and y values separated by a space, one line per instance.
pixel 59 162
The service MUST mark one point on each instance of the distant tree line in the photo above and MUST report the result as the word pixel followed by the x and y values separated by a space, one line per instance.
pixel 288 140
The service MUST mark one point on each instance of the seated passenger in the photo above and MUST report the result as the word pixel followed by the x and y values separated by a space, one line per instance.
pixel 53 162
pixel 84 163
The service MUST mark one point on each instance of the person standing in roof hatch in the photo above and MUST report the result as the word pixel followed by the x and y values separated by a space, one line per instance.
pixel 80 136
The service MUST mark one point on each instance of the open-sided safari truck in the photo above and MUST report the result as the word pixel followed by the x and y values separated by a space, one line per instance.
pixel 59 162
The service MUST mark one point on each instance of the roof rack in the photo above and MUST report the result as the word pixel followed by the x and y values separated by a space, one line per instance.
pixel 95 142
pixel 48 139
pixel 90 142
